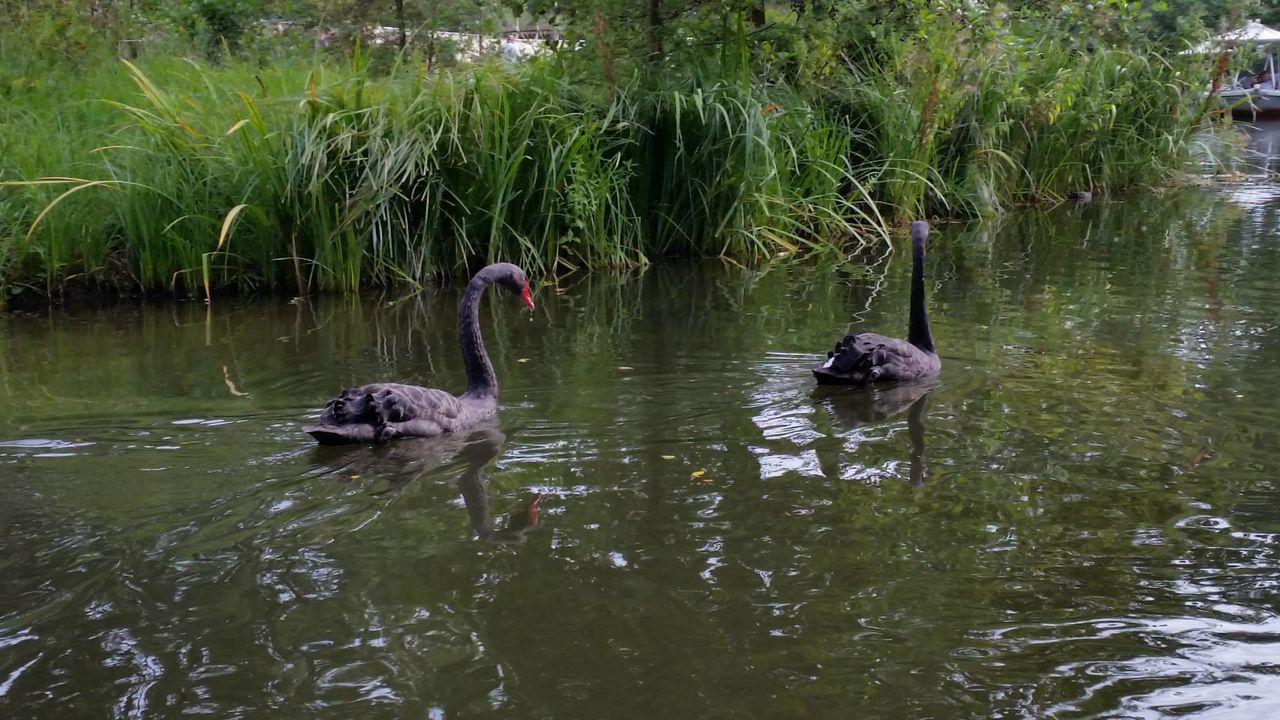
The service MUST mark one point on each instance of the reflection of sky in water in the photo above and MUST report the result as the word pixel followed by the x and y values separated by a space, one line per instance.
pixel 1263 143
pixel 783 412
pixel 1253 195
pixel 787 413
pixel 1222 663
pixel 1222 668
pixel 1259 190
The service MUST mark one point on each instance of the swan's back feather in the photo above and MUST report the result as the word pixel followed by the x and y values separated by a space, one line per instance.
pixel 382 411
pixel 869 357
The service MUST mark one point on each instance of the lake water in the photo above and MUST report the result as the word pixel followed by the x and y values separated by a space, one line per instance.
pixel 1080 519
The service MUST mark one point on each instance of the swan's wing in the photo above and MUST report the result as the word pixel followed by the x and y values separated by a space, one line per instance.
pixel 868 357
pixel 857 353
pixel 384 404
pixel 900 360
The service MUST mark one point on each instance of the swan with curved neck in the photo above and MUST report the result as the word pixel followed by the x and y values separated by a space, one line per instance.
pixel 867 357
pixel 383 411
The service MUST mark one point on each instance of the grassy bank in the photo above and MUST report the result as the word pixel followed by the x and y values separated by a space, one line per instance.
pixel 310 173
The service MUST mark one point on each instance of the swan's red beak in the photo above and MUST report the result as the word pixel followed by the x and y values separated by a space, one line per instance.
pixel 525 297
pixel 532 510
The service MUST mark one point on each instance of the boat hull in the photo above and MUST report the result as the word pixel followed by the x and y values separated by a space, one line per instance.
pixel 1251 103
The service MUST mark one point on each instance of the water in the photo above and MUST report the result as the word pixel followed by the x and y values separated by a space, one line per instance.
pixel 1080 519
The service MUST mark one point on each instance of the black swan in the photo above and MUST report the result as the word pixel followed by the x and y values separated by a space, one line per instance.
pixel 867 357
pixel 382 411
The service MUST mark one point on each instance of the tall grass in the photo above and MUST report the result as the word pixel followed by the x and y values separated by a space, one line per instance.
pixel 971 122
pixel 307 174
pixel 347 181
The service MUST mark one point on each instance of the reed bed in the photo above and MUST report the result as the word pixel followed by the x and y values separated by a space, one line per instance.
pixel 970 124
pixel 307 174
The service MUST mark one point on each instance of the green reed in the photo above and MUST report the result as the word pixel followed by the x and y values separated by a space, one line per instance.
pixel 308 174
pixel 970 123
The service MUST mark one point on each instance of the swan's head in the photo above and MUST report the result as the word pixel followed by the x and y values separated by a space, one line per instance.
pixel 919 234
pixel 516 282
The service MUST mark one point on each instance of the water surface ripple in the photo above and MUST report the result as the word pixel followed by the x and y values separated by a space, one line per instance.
pixel 1079 519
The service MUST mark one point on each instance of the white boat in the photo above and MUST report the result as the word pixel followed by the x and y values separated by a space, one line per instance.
pixel 1249 95
pixel 1251 102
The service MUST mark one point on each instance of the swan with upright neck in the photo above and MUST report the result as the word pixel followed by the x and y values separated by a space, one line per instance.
pixel 867 357
pixel 384 411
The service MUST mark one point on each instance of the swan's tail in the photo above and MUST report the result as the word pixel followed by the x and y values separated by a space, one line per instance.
pixel 847 364
pixel 342 434
pixel 357 415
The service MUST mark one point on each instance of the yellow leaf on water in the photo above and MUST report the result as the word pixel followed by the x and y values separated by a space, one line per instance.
pixel 698 473
pixel 624 367
pixel 668 457
pixel 523 360
pixel 355 477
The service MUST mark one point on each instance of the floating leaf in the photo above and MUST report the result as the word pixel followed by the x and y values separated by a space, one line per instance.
pixel 355 476
pixel 523 360
pixel 698 473
pixel 624 367
pixel 668 457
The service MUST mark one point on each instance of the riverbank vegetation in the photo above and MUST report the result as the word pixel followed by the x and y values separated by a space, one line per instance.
pixel 237 160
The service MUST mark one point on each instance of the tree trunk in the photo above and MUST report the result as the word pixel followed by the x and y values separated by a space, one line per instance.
pixel 400 20
pixel 655 23
pixel 755 15
pixel 602 47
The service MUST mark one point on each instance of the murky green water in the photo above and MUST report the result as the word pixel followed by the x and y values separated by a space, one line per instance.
pixel 1080 520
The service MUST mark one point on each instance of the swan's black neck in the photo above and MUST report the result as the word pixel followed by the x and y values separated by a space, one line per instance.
pixel 918 331
pixel 481 381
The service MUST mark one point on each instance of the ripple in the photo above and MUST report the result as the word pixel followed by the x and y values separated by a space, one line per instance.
pixel 1077 520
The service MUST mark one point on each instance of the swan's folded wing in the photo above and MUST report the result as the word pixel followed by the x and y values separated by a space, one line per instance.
pixel 385 403
pixel 403 403
pixel 858 353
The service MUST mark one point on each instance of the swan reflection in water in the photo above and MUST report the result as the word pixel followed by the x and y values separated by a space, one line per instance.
pixel 862 407
pixel 408 459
